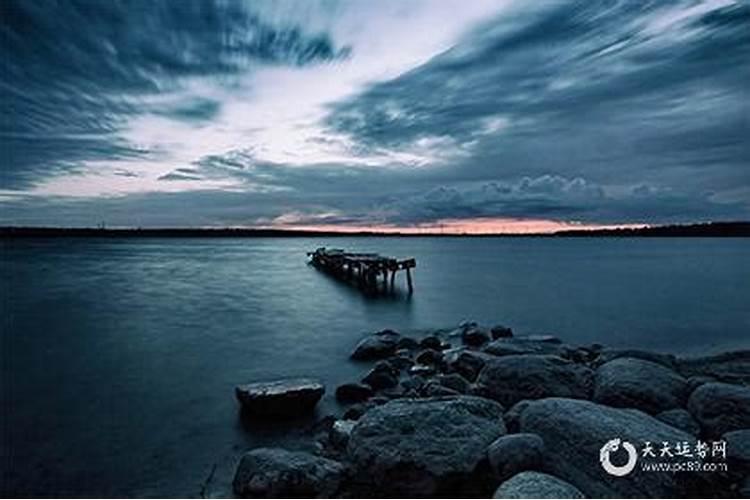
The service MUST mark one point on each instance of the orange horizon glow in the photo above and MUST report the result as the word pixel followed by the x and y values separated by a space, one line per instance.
pixel 461 226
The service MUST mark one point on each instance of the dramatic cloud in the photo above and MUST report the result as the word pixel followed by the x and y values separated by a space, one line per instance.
pixel 391 114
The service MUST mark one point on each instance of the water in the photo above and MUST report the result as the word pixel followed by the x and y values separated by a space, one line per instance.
pixel 119 356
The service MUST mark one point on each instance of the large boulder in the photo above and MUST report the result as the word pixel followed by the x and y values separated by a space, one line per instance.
pixel 465 362
pixel 575 433
pixel 376 346
pixel 514 453
pixel 610 354
pixel 509 379
pixel 641 384
pixel 475 336
pixel 680 419
pixel 423 447
pixel 281 398
pixel 720 407
pixel 738 449
pixel 278 473
pixel 536 485
pixel 731 367
pixel 529 344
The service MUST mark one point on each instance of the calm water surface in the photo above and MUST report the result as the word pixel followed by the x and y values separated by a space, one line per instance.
pixel 119 357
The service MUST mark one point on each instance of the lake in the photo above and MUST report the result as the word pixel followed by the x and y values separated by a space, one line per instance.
pixel 119 356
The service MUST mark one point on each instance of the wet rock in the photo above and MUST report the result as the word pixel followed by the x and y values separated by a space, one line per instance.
pixel 380 378
pixel 680 419
pixel 541 338
pixel 415 382
pixel 275 473
pixel 574 433
pixel 697 380
pixel 423 447
pixel 430 342
pixel 354 412
pixel 422 370
pixel 429 357
pixel 536 485
pixel 353 393
pixel 641 384
pixel 738 449
pixel 433 388
pixel 720 408
pixel 340 432
pixel 509 379
pixel 283 398
pixel 607 355
pixel 500 331
pixel 731 367
pixel 468 364
pixel 454 381
pixel 377 346
pixel 475 336
pixel 400 362
pixel 504 348
pixel 514 453
pixel 407 343
pixel 466 324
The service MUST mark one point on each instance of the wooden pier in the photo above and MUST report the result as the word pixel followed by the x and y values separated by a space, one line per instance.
pixel 370 271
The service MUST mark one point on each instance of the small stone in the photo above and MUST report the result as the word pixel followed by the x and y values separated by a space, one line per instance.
pixel 430 342
pixel 340 432
pixel 353 393
pixel 380 379
pixel 377 346
pixel 429 357
pixel 423 370
pixel 536 485
pixel 281 398
pixel 468 364
pixel 500 331
pixel 475 336
pixel 514 453
pixel 407 343
pixel 354 412
pixel 433 389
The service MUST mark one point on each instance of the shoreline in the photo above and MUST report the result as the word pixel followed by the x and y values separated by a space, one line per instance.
pixel 479 412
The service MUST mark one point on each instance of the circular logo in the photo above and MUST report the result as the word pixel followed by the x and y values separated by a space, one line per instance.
pixel 612 446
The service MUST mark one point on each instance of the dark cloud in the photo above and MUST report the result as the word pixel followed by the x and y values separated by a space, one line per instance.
pixel 616 93
pixel 72 72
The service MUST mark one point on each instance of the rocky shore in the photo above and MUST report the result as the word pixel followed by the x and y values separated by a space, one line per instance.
pixel 479 412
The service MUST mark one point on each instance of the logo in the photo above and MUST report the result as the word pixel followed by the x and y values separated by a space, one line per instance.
pixel 612 446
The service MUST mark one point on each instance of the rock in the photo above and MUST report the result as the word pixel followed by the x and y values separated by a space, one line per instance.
pixel 340 432
pixel 407 343
pixel 641 384
pixel 522 345
pixel 377 346
pixel 400 362
pixel 282 398
pixel 514 453
pixel 354 412
pixel 512 417
pixel 697 380
pixel 275 472
pixel 680 419
pixel 509 379
pixel 454 381
pixel 415 382
pixel 743 490
pixel 738 449
pixel 353 393
pixel 541 338
pixel 380 379
pixel 467 363
pixel 475 336
pixel 731 367
pixel 536 485
pixel 423 447
pixel 607 355
pixel 466 324
pixel 575 433
pixel 500 331
pixel 430 342
pixel 433 388
pixel 429 357
pixel 720 408
pixel 422 370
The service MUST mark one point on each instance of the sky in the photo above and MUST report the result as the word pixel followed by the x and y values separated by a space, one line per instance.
pixel 479 116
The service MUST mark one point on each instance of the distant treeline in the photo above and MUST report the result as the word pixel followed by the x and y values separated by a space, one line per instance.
pixel 711 229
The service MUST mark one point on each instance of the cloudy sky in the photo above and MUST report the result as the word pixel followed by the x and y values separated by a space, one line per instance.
pixel 465 115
